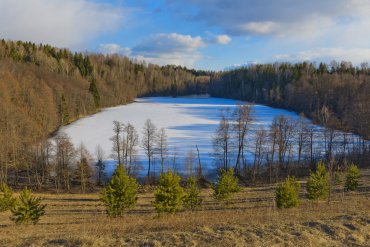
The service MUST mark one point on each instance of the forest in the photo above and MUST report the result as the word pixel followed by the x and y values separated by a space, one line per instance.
pixel 43 88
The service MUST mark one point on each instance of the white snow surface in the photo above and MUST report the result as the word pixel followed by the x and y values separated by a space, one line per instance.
pixel 188 121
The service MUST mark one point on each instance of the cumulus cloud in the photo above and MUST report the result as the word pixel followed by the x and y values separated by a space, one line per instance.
pixel 266 17
pixel 169 48
pixel 63 23
pixel 307 25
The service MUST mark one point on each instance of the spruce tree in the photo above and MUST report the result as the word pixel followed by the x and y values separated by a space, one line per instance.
pixel 7 200
pixel 120 194
pixel 287 193
pixel 352 177
pixel 27 209
pixel 318 184
pixel 226 186
pixel 169 194
pixel 94 92
pixel 192 198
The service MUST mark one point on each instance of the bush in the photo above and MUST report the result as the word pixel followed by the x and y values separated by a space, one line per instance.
pixel 169 194
pixel 7 200
pixel 318 184
pixel 226 186
pixel 120 194
pixel 352 177
pixel 287 193
pixel 192 198
pixel 27 209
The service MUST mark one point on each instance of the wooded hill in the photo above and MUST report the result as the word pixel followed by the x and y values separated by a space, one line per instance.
pixel 335 95
pixel 43 88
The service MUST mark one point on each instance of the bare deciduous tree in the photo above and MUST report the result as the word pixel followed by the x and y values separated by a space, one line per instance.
pixel 260 136
pixel 148 142
pixel 222 140
pixel 241 121
pixel 65 155
pixel 117 141
pixel 162 147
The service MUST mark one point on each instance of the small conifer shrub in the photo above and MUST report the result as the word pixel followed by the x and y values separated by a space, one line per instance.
pixel 318 184
pixel 287 193
pixel 169 194
pixel 352 177
pixel 192 198
pixel 120 194
pixel 7 200
pixel 227 186
pixel 27 209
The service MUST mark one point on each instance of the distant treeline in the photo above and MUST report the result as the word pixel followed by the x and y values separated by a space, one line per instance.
pixel 335 95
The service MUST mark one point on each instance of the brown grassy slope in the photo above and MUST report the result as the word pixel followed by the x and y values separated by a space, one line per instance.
pixel 250 220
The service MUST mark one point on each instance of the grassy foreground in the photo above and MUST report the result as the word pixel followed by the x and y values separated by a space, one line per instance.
pixel 251 219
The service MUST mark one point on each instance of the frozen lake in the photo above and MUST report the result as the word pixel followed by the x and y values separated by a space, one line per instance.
pixel 188 121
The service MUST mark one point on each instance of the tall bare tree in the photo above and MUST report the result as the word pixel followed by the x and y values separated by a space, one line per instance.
pixel 260 138
pixel 222 140
pixel 241 120
pixel 84 170
pixel 148 142
pixel 162 147
pixel 117 141
pixel 131 142
pixel 65 155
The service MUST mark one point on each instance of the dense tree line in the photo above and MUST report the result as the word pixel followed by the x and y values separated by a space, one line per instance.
pixel 43 88
pixel 335 95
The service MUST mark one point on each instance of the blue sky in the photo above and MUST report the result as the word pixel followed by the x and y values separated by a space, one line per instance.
pixel 202 34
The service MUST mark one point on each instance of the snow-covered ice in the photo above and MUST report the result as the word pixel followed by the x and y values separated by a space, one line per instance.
pixel 188 121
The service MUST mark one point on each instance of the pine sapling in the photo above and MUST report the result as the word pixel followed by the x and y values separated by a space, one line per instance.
pixel 120 194
pixel 192 199
pixel 352 177
pixel 226 186
pixel 318 184
pixel 287 193
pixel 169 194
pixel 27 209
pixel 7 200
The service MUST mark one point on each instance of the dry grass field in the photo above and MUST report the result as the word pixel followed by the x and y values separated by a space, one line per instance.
pixel 251 219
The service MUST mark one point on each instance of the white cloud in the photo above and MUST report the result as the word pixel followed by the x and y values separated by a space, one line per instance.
pixel 263 27
pixel 172 48
pixel 338 27
pixel 63 23
pixel 355 55
pixel 114 49
pixel 223 39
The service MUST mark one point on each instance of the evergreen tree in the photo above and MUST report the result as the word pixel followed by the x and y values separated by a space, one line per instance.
pixel 100 167
pixel 287 193
pixel 7 201
pixel 120 194
pixel 192 198
pixel 226 186
pixel 318 184
pixel 27 209
pixel 95 93
pixel 352 177
pixel 169 194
